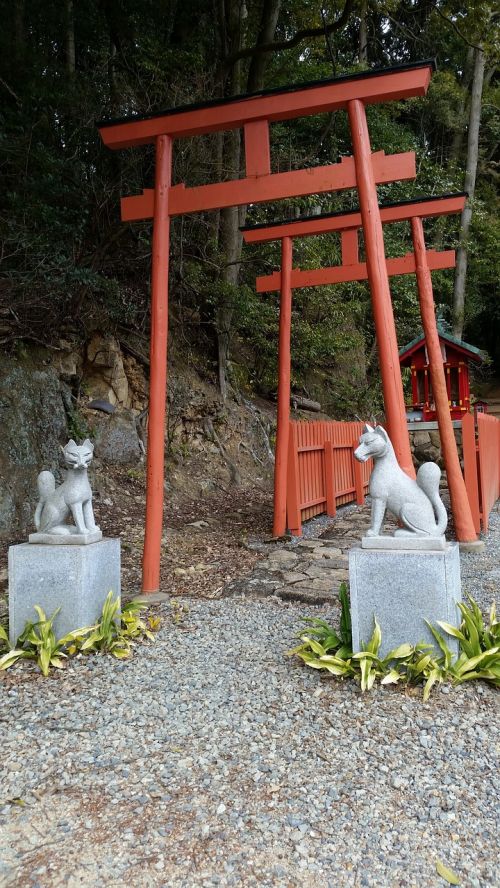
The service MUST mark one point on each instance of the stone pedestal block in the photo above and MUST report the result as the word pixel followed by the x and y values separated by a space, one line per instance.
pixel 75 578
pixel 403 589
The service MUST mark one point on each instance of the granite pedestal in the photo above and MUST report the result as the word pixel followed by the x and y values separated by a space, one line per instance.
pixel 75 578
pixel 403 588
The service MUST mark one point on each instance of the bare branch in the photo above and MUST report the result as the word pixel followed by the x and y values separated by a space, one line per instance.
pixel 457 30
pixel 10 90
pixel 304 34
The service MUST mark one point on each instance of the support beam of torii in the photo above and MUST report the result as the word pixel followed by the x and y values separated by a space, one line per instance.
pixel 421 263
pixel 254 114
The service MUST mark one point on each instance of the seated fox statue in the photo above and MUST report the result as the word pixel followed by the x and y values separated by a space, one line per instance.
pixel 416 504
pixel 72 498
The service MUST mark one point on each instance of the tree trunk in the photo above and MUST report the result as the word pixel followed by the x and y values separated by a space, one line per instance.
pixel 458 138
pixel 363 33
pixel 70 38
pixel 233 22
pixel 269 20
pixel 113 93
pixel 456 147
pixel 230 244
pixel 19 45
pixel 469 187
pixel 231 218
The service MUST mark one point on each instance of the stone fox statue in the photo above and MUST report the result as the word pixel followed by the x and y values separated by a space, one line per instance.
pixel 73 496
pixel 416 504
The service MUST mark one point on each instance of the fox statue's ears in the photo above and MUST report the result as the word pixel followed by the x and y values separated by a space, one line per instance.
pixel 379 430
pixel 71 444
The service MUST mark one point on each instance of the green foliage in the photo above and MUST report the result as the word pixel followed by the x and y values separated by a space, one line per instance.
pixel 71 266
pixel 323 648
pixel 77 425
pixel 136 474
pixel 178 611
pixel 38 642
pixel 115 634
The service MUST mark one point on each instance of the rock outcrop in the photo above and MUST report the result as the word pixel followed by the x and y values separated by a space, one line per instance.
pixel 104 374
pixel 34 425
pixel 116 439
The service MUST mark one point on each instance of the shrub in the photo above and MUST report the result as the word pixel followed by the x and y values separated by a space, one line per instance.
pixel 323 648
pixel 115 634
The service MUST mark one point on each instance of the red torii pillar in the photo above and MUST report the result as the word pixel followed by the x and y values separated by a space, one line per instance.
pixel 158 361
pixel 460 505
pixel 253 113
pixel 283 408
pixel 379 287
pixel 421 263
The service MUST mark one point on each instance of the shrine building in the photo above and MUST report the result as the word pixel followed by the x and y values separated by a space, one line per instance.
pixel 457 357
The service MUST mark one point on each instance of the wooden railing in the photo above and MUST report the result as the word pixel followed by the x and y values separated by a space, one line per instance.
pixel 481 465
pixel 322 471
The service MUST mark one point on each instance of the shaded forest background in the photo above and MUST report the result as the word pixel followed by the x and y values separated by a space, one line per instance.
pixel 70 267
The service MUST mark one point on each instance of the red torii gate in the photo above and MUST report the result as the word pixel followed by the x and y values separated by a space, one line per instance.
pixel 421 262
pixel 254 113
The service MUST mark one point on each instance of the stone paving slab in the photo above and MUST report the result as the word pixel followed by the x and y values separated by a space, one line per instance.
pixel 309 568
pixel 312 567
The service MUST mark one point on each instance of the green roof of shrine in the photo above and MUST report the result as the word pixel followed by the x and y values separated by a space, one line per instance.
pixel 474 352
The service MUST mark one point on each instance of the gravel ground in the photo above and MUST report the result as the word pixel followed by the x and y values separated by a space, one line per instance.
pixel 211 759
pixel 481 573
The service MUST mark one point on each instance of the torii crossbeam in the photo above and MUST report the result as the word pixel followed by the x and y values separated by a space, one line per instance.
pixel 421 262
pixel 254 114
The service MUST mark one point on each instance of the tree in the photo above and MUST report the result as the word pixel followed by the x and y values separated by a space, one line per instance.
pixel 70 266
pixel 469 187
pixel 233 29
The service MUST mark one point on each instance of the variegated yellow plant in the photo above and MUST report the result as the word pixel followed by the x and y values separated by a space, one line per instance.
pixel 115 633
pixel 323 648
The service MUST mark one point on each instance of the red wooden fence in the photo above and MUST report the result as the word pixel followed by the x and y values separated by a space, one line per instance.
pixel 322 471
pixel 481 465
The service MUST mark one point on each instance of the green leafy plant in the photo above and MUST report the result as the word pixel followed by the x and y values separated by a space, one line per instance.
pixel 323 648
pixel 136 474
pixel 154 622
pixel 4 638
pixel 178 611
pixel 115 633
pixel 479 644
pixel 38 642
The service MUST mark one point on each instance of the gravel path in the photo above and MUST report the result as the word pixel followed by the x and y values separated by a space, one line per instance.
pixel 211 759
pixel 481 573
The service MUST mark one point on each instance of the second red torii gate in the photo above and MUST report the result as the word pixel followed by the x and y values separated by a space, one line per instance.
pixel 421 262
pixel 254 113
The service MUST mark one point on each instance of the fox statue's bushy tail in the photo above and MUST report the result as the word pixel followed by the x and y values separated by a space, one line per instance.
pixel 428 477
pixel 46 486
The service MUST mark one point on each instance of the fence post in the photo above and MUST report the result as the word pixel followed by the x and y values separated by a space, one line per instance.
pixel 358 478
pixel 488 435
pixel 331 503
pixel 470 467
pixel 292 488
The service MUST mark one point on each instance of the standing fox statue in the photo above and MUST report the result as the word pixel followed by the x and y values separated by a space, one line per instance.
pixel 416 504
